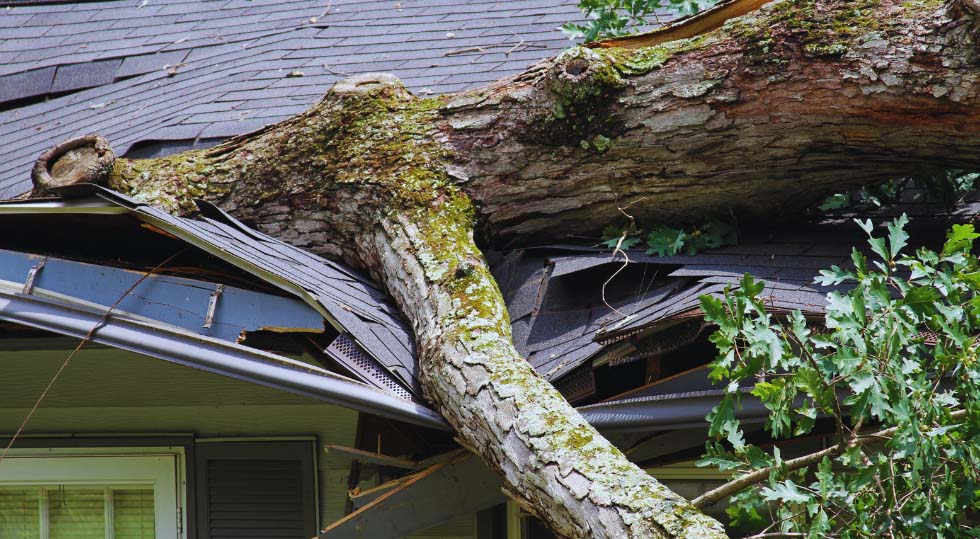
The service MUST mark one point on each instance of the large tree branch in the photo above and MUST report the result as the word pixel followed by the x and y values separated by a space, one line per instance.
pixel 361 176
pixel 761 117
pixel 550 457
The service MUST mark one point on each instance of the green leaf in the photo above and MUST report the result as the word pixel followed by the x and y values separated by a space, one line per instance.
pixel 865 225
pixel 959 239
pixel 629 243
pixel 897 237
pixel 714 309
pixel 879 248
pixel 750 286
pixel 717 233
pixel 612 234
pixel 787 492
pixel 835 202
pixel 921 295
pixel 665 241
pixel 756 457
pixel 722 422
pixel 868 396
pixel 720 463
pixel 834 276
pixel 939 431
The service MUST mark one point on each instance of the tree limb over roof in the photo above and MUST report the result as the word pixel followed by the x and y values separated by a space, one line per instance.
pixel 688 27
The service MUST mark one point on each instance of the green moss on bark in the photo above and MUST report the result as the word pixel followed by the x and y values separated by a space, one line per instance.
pixel 379 141
pixel 170 183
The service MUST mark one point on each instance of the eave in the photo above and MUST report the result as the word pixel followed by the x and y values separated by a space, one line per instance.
pixel 178 345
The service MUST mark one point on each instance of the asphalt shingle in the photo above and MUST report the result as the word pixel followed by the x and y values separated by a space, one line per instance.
pixel 76 76
pixel 119 52
pixel 27 84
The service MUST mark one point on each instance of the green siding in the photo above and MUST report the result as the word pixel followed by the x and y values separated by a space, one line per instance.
pixel 115 393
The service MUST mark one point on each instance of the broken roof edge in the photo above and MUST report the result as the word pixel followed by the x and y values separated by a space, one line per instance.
pixel 94 199
pixel 271 370
pixel 130 205
pixel 212 355
pixel 103 201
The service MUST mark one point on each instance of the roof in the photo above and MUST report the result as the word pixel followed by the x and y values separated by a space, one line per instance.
pixel 559 328
pixel 352 304
pixel 561 320
pixel 162 318
pixel 156 77
pixel 569 305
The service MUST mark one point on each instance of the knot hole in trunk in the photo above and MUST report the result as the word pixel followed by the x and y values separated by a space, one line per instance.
pixel 85 159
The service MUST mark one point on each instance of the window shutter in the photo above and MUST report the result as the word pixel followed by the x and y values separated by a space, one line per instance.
pixel 256 489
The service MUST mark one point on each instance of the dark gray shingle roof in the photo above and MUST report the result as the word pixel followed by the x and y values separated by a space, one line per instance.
pixel 144 70
pixel 559 325
pixel 560 319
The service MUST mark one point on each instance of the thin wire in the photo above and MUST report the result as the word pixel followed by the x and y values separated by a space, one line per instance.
pixel 88 336
pixel 626 258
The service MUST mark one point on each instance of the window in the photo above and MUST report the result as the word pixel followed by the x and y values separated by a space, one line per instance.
pixel 83 497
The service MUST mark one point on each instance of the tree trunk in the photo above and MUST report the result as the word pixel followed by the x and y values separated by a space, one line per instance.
pixel 759 117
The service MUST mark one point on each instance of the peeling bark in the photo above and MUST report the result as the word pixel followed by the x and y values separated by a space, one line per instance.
pixel 760 116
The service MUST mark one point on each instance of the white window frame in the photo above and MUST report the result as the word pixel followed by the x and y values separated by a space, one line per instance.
pixel 163 468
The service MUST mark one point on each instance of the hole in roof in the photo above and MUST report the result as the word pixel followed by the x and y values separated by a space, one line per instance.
pixel 584 288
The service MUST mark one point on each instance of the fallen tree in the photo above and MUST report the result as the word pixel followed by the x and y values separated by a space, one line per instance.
pixel 758 117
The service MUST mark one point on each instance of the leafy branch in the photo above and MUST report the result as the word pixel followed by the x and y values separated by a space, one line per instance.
pixel 946 187
pixel 669 241
pixel 870 364
pixel 612 18
pixel 763 474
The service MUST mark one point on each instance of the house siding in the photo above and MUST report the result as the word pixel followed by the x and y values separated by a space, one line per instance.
pixel 111 393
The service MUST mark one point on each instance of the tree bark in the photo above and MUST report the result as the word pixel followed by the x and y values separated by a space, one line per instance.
pixel 759 117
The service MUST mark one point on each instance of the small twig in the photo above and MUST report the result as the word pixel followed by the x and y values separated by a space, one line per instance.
pixel 88 337
pixel 515 47
pixel 335 72
pixel 457 52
